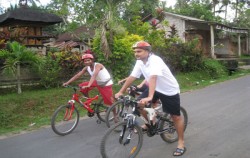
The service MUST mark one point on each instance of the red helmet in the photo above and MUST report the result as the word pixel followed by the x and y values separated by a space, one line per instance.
pixel 87 56
pixel 142 45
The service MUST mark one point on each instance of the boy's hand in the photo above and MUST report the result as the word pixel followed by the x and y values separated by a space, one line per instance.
pixel 144 101
pixel 65 84
pixel 117 95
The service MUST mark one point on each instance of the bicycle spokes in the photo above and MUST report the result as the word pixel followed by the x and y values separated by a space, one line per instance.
pixel 123 144
pixel 65 119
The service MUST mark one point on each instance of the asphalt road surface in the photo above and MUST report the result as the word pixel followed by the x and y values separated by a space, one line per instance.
pixel 219 127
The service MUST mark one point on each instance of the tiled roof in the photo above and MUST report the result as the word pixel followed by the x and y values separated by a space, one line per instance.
pixel 82 33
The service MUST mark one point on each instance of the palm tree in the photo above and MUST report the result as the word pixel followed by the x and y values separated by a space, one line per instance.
pixel 15 56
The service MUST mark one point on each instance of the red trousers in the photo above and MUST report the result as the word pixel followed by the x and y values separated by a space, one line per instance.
pixel 105 91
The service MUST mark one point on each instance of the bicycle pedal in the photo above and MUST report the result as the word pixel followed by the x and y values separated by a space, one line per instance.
pixel 91 114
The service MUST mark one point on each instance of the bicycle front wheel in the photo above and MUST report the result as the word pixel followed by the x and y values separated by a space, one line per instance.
pixel 65 120
pixel 170 135
pixel 123 144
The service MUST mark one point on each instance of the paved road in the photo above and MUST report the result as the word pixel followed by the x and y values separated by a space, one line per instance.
pixel 219 125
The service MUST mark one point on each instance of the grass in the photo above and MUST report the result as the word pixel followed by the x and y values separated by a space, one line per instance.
pixel 33 108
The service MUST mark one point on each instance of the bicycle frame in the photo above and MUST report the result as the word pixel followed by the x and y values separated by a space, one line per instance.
pixel 153 127
pixel 86 104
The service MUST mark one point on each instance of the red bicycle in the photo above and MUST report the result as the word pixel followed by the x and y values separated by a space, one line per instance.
pixel 66 117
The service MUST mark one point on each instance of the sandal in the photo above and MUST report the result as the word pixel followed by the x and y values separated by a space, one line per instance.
pixel 179 151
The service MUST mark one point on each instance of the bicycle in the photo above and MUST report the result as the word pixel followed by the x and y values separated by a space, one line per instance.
pixel 128 141
pixel 122 106
pixel 66 117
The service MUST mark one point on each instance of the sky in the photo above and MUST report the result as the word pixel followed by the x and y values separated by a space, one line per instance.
pixel 6 3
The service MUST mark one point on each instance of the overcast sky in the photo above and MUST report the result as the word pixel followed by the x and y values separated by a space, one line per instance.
pixel 6 3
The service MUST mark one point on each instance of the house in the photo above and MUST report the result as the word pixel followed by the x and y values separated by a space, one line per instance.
pixel 215 39
pixel 25 25
pixel 77 40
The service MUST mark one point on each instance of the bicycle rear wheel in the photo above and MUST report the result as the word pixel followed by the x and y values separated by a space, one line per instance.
pixel 124 144
pixel 101 110
pixel 170 135
pixel 110 117
pixel 65 120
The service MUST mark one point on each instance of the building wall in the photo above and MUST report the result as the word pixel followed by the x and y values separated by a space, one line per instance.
pixel 179 24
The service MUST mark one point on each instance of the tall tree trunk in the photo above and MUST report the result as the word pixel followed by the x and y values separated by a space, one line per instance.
pixel 104 42
pixel 236 9
pixel 18 77
pixel 226 13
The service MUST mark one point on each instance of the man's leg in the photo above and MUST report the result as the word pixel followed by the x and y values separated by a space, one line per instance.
pixel 179 125
pixel 171 104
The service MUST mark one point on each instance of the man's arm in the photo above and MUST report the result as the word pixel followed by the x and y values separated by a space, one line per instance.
pixel 128 82
pixel 142 83
pixel 122 80
pixel 79 74
pixel 152 85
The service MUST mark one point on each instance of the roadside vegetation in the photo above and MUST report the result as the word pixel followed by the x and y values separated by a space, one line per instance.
pixel 33 108
pixel 117 26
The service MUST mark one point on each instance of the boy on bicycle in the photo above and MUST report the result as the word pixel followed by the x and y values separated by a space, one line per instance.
pixel 162 85
pixel 100 78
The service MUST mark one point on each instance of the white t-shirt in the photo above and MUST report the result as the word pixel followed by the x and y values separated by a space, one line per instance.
pixel 165 83
pixel 102 77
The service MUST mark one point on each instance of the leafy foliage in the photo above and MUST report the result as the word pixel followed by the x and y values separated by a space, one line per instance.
pixel 214 68
pixel 49 71
pixel 17 56
pixel 183 57
pixel 198 10
pixel 122 59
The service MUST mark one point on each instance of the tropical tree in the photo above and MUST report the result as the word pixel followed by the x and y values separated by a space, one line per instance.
pixel 214 4
pixel 225 4
pixel 25 2
pixel 15 56
pixel 201 10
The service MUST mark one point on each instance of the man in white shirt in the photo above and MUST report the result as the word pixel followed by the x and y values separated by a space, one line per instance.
pixel 162 84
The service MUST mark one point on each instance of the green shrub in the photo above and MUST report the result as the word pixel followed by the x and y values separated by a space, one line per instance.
pixel 121 61
pixel 183 57
pixel 214 68
pixel 49 71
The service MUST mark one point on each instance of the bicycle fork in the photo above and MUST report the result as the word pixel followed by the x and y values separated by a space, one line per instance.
pixel 130 126
pixel 69 110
